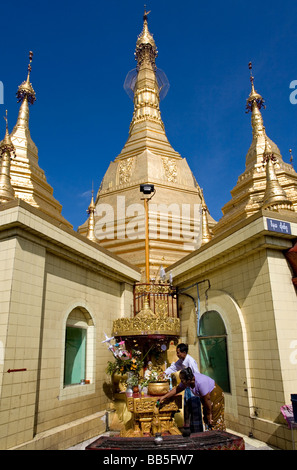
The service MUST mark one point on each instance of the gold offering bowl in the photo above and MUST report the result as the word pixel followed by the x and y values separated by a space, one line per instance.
pixel 158 388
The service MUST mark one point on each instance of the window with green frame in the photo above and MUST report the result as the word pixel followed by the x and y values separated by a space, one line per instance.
pixel 75 355
pixel 213 349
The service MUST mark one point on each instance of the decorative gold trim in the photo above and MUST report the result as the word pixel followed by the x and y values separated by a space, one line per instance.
pixel 125 169
pixel 161 308
pixel 152 288
pixel 170 168
pixel 146 323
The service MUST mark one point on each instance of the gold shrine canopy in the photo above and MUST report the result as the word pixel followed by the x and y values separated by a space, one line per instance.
pixel 162 321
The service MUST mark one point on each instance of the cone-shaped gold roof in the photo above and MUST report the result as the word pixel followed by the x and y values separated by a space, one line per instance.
pixel 145 38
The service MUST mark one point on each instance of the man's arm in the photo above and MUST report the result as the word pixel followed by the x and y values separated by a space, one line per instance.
pixel 175 367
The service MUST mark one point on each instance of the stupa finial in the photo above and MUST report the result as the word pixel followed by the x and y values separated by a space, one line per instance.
pixel 25 90
pixel 254 104
pixel 146 13
pixel 254 97
pixel 146 50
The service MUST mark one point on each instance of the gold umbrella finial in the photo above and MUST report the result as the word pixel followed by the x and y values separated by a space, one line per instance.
pixel 29 65
pixel 146 13
pixel 254 97
pixel 26 90
pixel 254 103
pixel 145 40
pixel 251 76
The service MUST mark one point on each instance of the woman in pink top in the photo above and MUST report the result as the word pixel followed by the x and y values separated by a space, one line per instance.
pixel 211 396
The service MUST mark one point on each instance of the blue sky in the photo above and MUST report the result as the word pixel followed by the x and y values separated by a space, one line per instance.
pixel 83 51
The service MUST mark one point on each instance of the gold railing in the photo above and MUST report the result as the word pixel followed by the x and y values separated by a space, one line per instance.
pixel 155 312
pixel 161 298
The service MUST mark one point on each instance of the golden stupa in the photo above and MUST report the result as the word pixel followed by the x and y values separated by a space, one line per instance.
pixel 26 177
pixel 178 219
pixel 267 182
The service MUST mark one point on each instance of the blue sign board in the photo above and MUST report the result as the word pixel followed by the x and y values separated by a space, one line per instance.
pixel 279 226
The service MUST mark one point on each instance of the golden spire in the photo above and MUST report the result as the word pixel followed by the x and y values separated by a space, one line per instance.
pixel 7 150
pixel 91 221
pixel 206 235
pixel 146 90
pixel 254 104
pixel 25 95
pixel 27 178
pixel 275 197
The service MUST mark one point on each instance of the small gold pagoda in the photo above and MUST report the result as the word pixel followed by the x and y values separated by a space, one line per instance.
pixel 91 220
pixel 27 178
pixel 7 152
